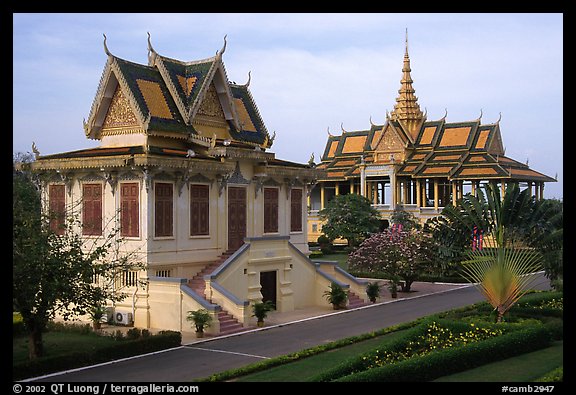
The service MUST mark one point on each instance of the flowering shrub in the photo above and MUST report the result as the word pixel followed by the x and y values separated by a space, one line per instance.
pixel 556 303
pixel 435 338
pixel 400 254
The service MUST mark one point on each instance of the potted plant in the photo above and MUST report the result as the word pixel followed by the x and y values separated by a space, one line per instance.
pixel 393 286
pixel 261 310
pixel 202 319
pixel 373 291
pixel 337 296
pixel 96 313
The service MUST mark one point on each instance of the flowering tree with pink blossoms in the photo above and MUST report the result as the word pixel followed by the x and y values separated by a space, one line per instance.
pixel 402 256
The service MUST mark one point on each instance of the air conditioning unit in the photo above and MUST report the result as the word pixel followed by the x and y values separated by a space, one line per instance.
pixel 109 316
pixel 123 318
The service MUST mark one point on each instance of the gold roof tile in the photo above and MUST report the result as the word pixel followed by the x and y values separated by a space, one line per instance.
pixel 428 135
pixel 473 171
pixel 244 116
pixel 354 144
pixel 455 136
pixel 154 99
pixel 482 138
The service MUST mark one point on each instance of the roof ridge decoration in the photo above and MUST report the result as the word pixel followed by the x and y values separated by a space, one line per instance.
pixel 407 110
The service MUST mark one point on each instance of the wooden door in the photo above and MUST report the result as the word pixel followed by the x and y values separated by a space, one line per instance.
pixel 268 286
pixel 236 217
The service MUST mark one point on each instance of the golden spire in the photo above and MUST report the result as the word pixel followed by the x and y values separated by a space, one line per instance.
pixel 406 110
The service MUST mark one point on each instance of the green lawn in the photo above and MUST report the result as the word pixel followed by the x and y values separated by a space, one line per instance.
pixel 306 368
pixel 522 368
pixel 341 258
pixel 59 343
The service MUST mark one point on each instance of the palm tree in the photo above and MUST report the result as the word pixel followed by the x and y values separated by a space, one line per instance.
pixel 513 228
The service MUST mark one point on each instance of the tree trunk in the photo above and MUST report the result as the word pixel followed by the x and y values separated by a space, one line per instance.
pixel 35 344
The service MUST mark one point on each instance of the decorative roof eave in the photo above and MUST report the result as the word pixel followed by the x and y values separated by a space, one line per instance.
pixel 300 173
pixel 240 153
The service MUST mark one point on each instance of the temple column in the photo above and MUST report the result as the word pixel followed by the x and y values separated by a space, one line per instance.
pixel 424 193
pixel 542 191
pixel 322 195
pixel 473 188
pixel 406 191
pixel 502 188
pixel 530 189
pixel 363 179
pixel 352 186
pixel 435 194
pixel 454 192
pixel 337 188
pixel 375 192
pixel 393 190
pixel 418 193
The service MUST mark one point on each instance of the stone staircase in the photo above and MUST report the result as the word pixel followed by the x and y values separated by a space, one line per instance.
pixel 228 324
pixel 355 301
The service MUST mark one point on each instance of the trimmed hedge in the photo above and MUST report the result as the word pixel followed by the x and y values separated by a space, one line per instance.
pixel 117 350
pixel 359 363
pixel 449 361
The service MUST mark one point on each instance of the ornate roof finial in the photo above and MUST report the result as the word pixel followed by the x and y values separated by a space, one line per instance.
pixel 329 134
pixel 223 47
pixel 445 114
pixel 342 127
pixel 406 42
pixel 406 108
pixel 106 47
pixel 499 118
pixel 151 52
pixel 35 150
pixel 247 84
pixel 480 117
pixel 371 123
pixel 150 49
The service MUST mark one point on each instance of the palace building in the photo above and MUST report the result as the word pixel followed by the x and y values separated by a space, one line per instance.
pixel 416 164
pixel 184 170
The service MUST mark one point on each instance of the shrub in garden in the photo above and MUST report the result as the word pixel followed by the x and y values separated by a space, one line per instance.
pixel 399 254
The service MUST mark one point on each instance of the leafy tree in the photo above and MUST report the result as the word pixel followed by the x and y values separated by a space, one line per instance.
pixel 405 218
pixel 509 225
pixel 54 274
pixel 350 217
pixel 403 256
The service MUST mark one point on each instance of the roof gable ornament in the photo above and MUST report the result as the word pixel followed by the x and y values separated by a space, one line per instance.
pixel 247 84
pixel 106 47
pixel 342 127
pixel 329 134
pixel 221 52
pixel 151 52
pixel 480 117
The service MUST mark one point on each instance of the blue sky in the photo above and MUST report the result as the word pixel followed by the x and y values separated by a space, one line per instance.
pixel 310 72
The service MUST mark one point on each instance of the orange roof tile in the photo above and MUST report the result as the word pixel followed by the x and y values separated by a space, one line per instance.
pixel 455 136
pixel 354 144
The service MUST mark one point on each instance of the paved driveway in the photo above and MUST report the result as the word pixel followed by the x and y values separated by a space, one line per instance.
pixel 194 361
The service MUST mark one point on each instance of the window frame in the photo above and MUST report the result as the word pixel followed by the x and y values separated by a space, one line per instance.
pixel 203 204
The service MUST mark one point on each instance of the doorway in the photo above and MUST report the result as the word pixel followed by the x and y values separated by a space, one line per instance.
pixel 236 217
pixel 268 286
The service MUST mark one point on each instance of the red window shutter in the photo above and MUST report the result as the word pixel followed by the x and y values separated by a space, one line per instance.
pixel 199 210
pixel 57 208
pixel 92 209
pixel 129 210
pixel 296 210
pixel 270 210
pixel 163 217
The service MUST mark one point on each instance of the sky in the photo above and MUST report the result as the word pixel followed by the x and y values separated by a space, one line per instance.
pixel 310 73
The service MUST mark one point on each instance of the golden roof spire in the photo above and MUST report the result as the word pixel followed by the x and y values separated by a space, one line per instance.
pixel 406 110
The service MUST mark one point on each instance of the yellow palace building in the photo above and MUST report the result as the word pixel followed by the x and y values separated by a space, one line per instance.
pixel 416 164
pixel 184 170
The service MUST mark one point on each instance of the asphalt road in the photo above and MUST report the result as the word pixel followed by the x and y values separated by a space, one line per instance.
pixel 188 363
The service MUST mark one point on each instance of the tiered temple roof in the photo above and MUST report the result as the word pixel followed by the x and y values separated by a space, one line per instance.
pixel 424 149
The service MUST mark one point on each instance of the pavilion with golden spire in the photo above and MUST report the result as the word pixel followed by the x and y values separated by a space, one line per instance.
pixel 414 163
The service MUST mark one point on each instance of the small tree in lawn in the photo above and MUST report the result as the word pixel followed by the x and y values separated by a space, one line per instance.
pixel 350 217
pixel 402 256
pixel 54 274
